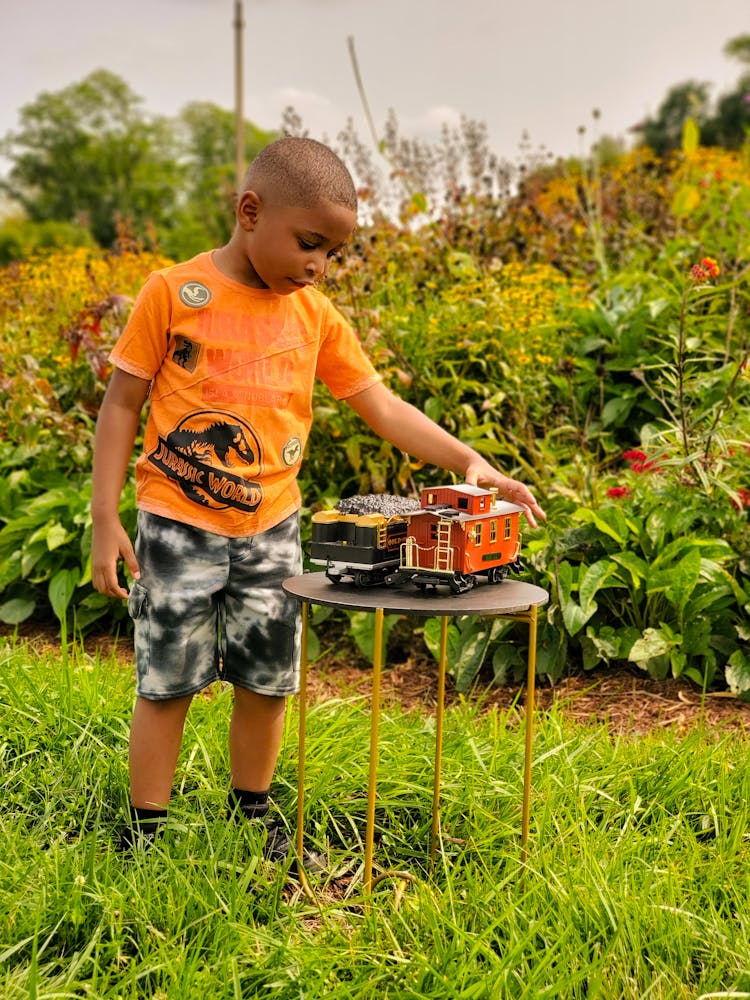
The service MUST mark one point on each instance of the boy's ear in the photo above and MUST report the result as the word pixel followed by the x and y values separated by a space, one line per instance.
pixel 248 210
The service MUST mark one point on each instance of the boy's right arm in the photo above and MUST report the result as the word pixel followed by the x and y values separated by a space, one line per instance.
pixel 116 430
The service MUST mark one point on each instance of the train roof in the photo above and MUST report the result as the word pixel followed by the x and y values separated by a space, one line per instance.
pixel 501 509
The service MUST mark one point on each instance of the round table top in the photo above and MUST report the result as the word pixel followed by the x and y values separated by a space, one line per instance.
pixel 508 597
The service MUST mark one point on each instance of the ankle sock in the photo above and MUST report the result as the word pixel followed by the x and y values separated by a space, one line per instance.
pixel 252 805
pixel 144 827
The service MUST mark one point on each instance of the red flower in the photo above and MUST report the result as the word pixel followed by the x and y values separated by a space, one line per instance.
pixel 634 455
pixel 618 491
pixel 711 265
pixel 705 271
pixel 743 498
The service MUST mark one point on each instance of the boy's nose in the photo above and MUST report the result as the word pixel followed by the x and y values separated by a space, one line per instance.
pixel 317 265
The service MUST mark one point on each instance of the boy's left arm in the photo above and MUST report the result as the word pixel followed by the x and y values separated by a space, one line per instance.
pixel 409 429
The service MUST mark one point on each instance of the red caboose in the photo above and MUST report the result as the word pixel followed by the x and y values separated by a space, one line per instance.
pixel 461 532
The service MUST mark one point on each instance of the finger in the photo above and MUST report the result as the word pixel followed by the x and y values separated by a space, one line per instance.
pixel 132 564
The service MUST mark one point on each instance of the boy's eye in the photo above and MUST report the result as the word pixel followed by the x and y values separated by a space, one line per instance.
pixel 306 245
pixel 336 254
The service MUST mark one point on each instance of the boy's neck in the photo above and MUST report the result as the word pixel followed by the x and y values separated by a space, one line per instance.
pixel 232 263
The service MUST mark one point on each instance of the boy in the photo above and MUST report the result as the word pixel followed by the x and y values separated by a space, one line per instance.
pixel 228 346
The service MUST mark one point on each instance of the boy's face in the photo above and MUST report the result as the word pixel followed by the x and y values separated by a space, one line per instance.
pixel 289 247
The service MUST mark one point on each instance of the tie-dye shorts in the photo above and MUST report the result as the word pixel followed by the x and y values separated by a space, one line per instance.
pixel 212 608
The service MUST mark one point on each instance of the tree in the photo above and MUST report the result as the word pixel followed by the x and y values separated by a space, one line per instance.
pixel 727 124
pixel 664 132
pixel 205 204
pixel 89 154
pixel 730 125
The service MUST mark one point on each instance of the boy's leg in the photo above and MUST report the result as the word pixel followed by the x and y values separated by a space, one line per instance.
pixel 155 738
pixel 255 733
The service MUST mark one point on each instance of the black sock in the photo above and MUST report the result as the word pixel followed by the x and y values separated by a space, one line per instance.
pixel 141 815
pixel 144 827
pixel 252 805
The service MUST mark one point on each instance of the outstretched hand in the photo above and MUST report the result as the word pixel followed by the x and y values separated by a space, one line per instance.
pixel 481 473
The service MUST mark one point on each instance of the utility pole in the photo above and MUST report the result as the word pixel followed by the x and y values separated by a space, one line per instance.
pixel 239 117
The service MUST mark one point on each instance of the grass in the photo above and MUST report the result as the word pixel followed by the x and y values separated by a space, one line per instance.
pixel 637 884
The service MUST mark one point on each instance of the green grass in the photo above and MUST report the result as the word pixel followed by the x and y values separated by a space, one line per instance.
pixel 637 885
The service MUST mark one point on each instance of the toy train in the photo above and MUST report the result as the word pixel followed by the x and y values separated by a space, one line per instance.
pixel 451 537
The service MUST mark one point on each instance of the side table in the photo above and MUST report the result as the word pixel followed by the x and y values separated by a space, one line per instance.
pixel 510 599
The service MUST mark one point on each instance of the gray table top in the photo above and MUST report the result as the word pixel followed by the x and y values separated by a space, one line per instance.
pixel 508 597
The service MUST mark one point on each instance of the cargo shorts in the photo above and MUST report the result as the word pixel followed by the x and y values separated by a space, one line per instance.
pixel 209 608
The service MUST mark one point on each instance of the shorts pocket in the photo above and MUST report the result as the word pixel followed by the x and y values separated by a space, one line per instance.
pixel 137 601
pixel 138 609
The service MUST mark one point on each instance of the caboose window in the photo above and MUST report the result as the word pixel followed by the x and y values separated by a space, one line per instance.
pixel 478 534
pixel 463 503
pixel 433 532
pixel 493 532
pixel 507 527
pixel 430 498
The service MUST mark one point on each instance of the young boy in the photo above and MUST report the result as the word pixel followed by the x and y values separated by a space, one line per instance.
pixel 228 346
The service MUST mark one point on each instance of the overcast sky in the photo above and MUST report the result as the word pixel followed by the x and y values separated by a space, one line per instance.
pixel 537 65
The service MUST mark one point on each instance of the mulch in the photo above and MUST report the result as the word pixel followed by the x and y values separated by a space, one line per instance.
pixel 627 701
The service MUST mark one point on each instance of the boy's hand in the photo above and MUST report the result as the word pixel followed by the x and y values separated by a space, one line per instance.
pixel 110 544
pixel 481 473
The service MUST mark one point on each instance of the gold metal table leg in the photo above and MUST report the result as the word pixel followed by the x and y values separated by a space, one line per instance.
pixel 530 698
pixel 302 697
pixel 439 714
pixel 377 669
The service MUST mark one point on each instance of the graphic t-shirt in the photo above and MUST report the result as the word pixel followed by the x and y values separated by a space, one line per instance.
pixel 232 371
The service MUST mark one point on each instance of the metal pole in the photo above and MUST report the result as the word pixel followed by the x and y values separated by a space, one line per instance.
pixel 530 698
pixel 377 670
pixel 439 713
pixel 239 117
pixel 301 751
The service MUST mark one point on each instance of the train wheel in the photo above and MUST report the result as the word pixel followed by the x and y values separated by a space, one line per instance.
pixel 362 580
pixel 497 574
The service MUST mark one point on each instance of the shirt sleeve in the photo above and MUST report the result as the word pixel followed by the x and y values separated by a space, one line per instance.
pixel 342 362
pixel 142 346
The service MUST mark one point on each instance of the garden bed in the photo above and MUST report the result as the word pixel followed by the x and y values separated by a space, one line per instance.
pixel 626 700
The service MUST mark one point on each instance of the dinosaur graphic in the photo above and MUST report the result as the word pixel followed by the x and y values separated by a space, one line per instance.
pixel 200 455
pixel 182 355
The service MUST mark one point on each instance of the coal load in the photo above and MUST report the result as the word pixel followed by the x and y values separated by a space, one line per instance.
pixel 378 503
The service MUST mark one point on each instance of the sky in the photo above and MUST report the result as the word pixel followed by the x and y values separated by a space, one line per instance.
pixel 538 67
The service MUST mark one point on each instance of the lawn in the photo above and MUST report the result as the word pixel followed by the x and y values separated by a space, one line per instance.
pixel 637 884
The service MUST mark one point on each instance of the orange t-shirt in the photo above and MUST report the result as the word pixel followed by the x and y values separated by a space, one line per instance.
pixel 232 371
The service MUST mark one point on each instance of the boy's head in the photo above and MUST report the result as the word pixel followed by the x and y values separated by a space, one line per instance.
pixel 300 172
pixel 297 209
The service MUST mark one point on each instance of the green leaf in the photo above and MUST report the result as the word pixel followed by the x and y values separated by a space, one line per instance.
pixel 685 201
pixel 506 660
pixel 574 616
pixel 634 565
pixel 61 588
pixel 738 674
pixel 678 582
pixel 609 521
pixel 616 410
pixel 653 643
pixel 468 641
pixel 362 625
pixel 56 535
pixel 17 610
pixel 690 136
pixel 594 579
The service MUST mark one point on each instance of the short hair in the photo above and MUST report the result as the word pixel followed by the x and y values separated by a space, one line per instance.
pixel 300 171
